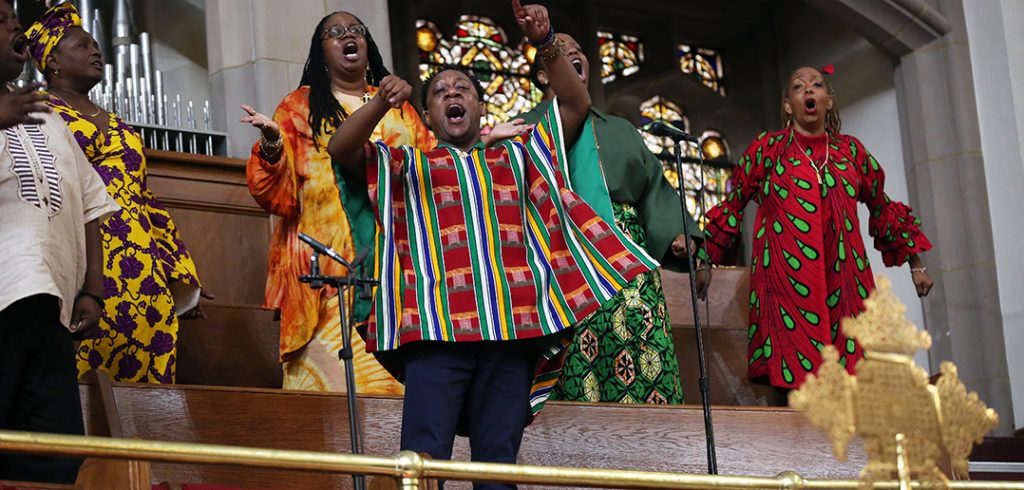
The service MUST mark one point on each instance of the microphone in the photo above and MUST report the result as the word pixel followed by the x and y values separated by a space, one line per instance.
pixel 324 249
pixel 662 128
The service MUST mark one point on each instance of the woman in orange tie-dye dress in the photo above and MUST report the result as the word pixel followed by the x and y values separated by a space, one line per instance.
pixel 290 175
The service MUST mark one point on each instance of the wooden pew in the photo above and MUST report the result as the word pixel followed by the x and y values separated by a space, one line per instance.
pixel 751 441
pixel 103 419
pixel 228 235
pixel 17 485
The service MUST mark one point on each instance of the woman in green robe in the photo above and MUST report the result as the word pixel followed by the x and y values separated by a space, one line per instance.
pixel 623 352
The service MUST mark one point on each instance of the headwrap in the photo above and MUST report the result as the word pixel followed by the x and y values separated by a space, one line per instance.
pixel 44 35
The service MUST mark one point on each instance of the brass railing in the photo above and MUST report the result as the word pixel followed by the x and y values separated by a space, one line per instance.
pixel 408 468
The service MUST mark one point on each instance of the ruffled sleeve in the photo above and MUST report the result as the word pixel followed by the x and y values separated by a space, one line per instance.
pixel 275 185
pixel 722 227
pixel 897 232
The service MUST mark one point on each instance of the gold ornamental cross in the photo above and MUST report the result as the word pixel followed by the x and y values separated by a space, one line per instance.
pixel 911 428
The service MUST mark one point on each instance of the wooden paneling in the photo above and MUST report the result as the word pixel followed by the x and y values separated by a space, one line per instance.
pixel 230 252
pixel 114 474
pixel 227 234
pixel 727 297
pixel 725 338
pixel 750 441
pixel 225 230
pixel 236 346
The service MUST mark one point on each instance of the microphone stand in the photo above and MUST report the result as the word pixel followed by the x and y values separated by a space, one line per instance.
pixel 709 430
pixel 342 284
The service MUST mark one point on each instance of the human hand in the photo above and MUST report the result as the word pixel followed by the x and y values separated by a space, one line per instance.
pixel 271 130
pixel 922 282
pixel 703 282
pixel 197 313
pixel 17 106
pixel 394 91
pixel 533 20
pixel 507 130
pixel 85 315
pixel 683 244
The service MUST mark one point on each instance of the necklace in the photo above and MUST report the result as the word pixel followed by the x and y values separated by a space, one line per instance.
pixel 818 168
pixel 65 99
pixel 365 98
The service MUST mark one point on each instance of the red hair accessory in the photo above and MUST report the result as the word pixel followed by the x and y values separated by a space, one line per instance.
pixel 828 69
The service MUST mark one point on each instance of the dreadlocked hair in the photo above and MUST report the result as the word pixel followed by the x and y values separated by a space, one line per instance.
pixel 325 112
pixel 833 123
pixel 425 88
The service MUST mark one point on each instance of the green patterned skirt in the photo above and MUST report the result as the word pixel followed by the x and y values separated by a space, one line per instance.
pixel 623 352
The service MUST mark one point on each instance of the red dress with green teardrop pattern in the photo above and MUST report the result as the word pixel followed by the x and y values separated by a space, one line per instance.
pixel 809 267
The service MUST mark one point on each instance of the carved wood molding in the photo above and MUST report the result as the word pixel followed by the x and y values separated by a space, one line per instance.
pixel 200 182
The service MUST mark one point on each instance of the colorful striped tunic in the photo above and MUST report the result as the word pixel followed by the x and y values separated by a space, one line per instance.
pixel 490 245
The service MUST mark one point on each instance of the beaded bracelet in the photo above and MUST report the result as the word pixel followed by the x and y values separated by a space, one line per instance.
pixel 917 269
pixel 550 51
pixel 548 39
pixel 270 149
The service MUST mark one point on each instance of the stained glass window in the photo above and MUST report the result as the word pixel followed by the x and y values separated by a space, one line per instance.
pixel 658 108
pixel 707 182
pixel 621 55
pixel 704 64
pixel 714 145
pixel 482 46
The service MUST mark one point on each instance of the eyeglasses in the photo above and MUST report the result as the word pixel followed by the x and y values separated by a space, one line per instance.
pixel 336 31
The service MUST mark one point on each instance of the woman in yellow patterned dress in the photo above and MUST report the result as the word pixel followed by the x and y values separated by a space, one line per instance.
pixel 149 277
pixel 290 175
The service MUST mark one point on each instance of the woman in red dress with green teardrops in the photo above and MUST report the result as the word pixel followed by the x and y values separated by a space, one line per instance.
pixel 809 268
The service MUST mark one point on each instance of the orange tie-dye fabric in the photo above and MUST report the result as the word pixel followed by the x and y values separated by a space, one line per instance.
pixel 300 191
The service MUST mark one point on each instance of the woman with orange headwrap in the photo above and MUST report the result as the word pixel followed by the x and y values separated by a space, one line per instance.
pixel 149 277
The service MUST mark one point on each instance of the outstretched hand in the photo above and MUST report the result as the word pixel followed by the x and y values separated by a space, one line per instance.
pixel 197 313
pixel 17 106
pixel 271 131
pixel 533 20
pixel 507 130
pixel 394 91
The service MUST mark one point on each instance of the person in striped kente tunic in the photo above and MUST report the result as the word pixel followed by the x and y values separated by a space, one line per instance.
pixel 485 255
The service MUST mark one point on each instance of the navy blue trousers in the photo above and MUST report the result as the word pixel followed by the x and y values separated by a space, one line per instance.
pixel 486 385
pixel 38 386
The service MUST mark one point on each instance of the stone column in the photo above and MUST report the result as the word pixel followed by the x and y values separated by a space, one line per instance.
pixel 946 173
pixel 257 50
pixel 997 57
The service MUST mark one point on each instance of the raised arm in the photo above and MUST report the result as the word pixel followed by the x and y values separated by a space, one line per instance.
pixel 272 171
pixel 347 144
pixel 573 98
